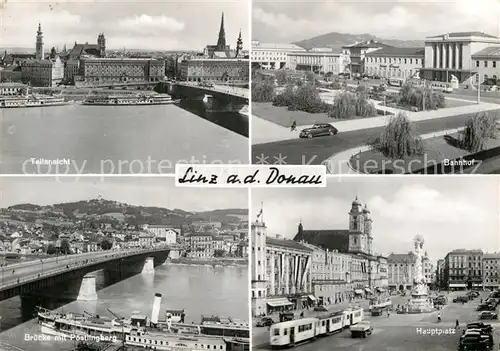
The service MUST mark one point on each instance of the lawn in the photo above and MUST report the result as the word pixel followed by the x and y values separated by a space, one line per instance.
pixel 283 117
pixel 437 150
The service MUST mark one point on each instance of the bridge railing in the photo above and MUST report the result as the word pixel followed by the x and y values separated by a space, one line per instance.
pixel 107 257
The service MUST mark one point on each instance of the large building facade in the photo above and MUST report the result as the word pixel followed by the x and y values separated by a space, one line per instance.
pixel 319 62
pixel 402 270
pixel 351 268
pixel 491 270
pixel 357 54
pixel 392 62
pixel 452 54
pixel 273 56
pixel 217 70
pixel 93 71
pixel 463 269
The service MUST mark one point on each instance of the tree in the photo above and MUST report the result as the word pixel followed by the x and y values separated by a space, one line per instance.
pixel 398 139
pixel 478 129
pixel 281 76
pixel 65 247
pixel 106 245
pixel 219 253
pixel 414 96
pixel 263 91
pixel 348 105
pixel 51 249
pixel 310 76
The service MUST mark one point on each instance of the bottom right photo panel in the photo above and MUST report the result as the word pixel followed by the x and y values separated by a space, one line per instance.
pixel 377 264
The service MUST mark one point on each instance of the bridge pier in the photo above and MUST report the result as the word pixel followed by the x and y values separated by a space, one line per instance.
pixel 88 290
pixel 174 254
pixel 148 267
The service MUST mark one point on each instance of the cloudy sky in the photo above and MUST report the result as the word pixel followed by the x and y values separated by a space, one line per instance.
pixel 153 24
pixel 141 191
pixel 288 21
pixel 449 212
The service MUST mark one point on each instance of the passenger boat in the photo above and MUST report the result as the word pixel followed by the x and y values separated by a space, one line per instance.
pixel 32 101
pixel 141 331
pixel 129 100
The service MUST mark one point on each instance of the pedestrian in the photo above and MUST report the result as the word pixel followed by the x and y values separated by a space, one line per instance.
pixel 457 324
pixel 294 126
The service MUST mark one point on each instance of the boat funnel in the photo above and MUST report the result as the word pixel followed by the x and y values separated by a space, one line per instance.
pixel 156 308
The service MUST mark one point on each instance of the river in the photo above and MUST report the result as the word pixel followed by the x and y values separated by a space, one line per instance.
pixel 119 139
pixel 200 290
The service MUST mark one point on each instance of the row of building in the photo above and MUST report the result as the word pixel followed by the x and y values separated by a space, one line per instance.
pixel 463 55
pixel 467 269
pixel 89 65
pixel 317 267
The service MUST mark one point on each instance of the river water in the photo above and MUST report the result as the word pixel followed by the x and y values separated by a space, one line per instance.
pixel 200 290
pixel 119 139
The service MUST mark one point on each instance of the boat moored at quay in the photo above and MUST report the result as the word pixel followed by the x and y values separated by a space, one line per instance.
pixel 144 332
pixel 129 100
pixel 34 100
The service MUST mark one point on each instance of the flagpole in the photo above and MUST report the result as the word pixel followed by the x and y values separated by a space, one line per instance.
pixel 262 212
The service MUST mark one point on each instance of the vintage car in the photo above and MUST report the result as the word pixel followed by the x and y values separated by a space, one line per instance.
pixel 362 329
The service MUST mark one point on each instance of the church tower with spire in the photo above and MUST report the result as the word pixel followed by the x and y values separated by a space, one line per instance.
pixel 239 46
pixel 39 54
pixel 221 41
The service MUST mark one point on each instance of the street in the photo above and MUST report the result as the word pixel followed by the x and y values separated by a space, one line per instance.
pixel 316 150
pixel 11 273
pixel 400 331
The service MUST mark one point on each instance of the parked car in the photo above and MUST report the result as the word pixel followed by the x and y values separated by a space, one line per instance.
pixel 461 299
pixel 475 342
pixel 486 307
pixel 488 315
pixel 362 329
pixel 265 322
pixel 318 130
pixel 480 325
pixel 321 308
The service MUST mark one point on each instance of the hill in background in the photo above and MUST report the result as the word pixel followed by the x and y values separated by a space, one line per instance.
pixel 336 40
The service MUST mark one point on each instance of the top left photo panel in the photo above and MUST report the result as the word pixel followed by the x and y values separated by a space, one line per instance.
pixel 122 87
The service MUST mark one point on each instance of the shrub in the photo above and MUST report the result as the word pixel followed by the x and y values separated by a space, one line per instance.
pixel 347 105
pixel 477 130
pixel 281 77
pixel 263 91
pixel 414 96
pixel 303 98
pixel 398 139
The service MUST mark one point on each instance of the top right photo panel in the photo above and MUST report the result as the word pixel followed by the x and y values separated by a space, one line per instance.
pixel 372 87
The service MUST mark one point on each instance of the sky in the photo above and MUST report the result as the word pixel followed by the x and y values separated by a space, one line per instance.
pixel 290 21
pixel 133 24
pixel 140 191
pixel 449 212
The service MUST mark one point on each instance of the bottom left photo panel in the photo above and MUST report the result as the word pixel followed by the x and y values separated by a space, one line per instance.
pixel 122 263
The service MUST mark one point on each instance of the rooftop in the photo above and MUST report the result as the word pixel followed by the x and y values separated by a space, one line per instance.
pixel 327 239
pixel 367 44
pixel 465 34
pixel 490 51
pixel 12 85
pixel 402 258
pixel 271 46
pixel 465 252
pixel 287 243
pixel 394 51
